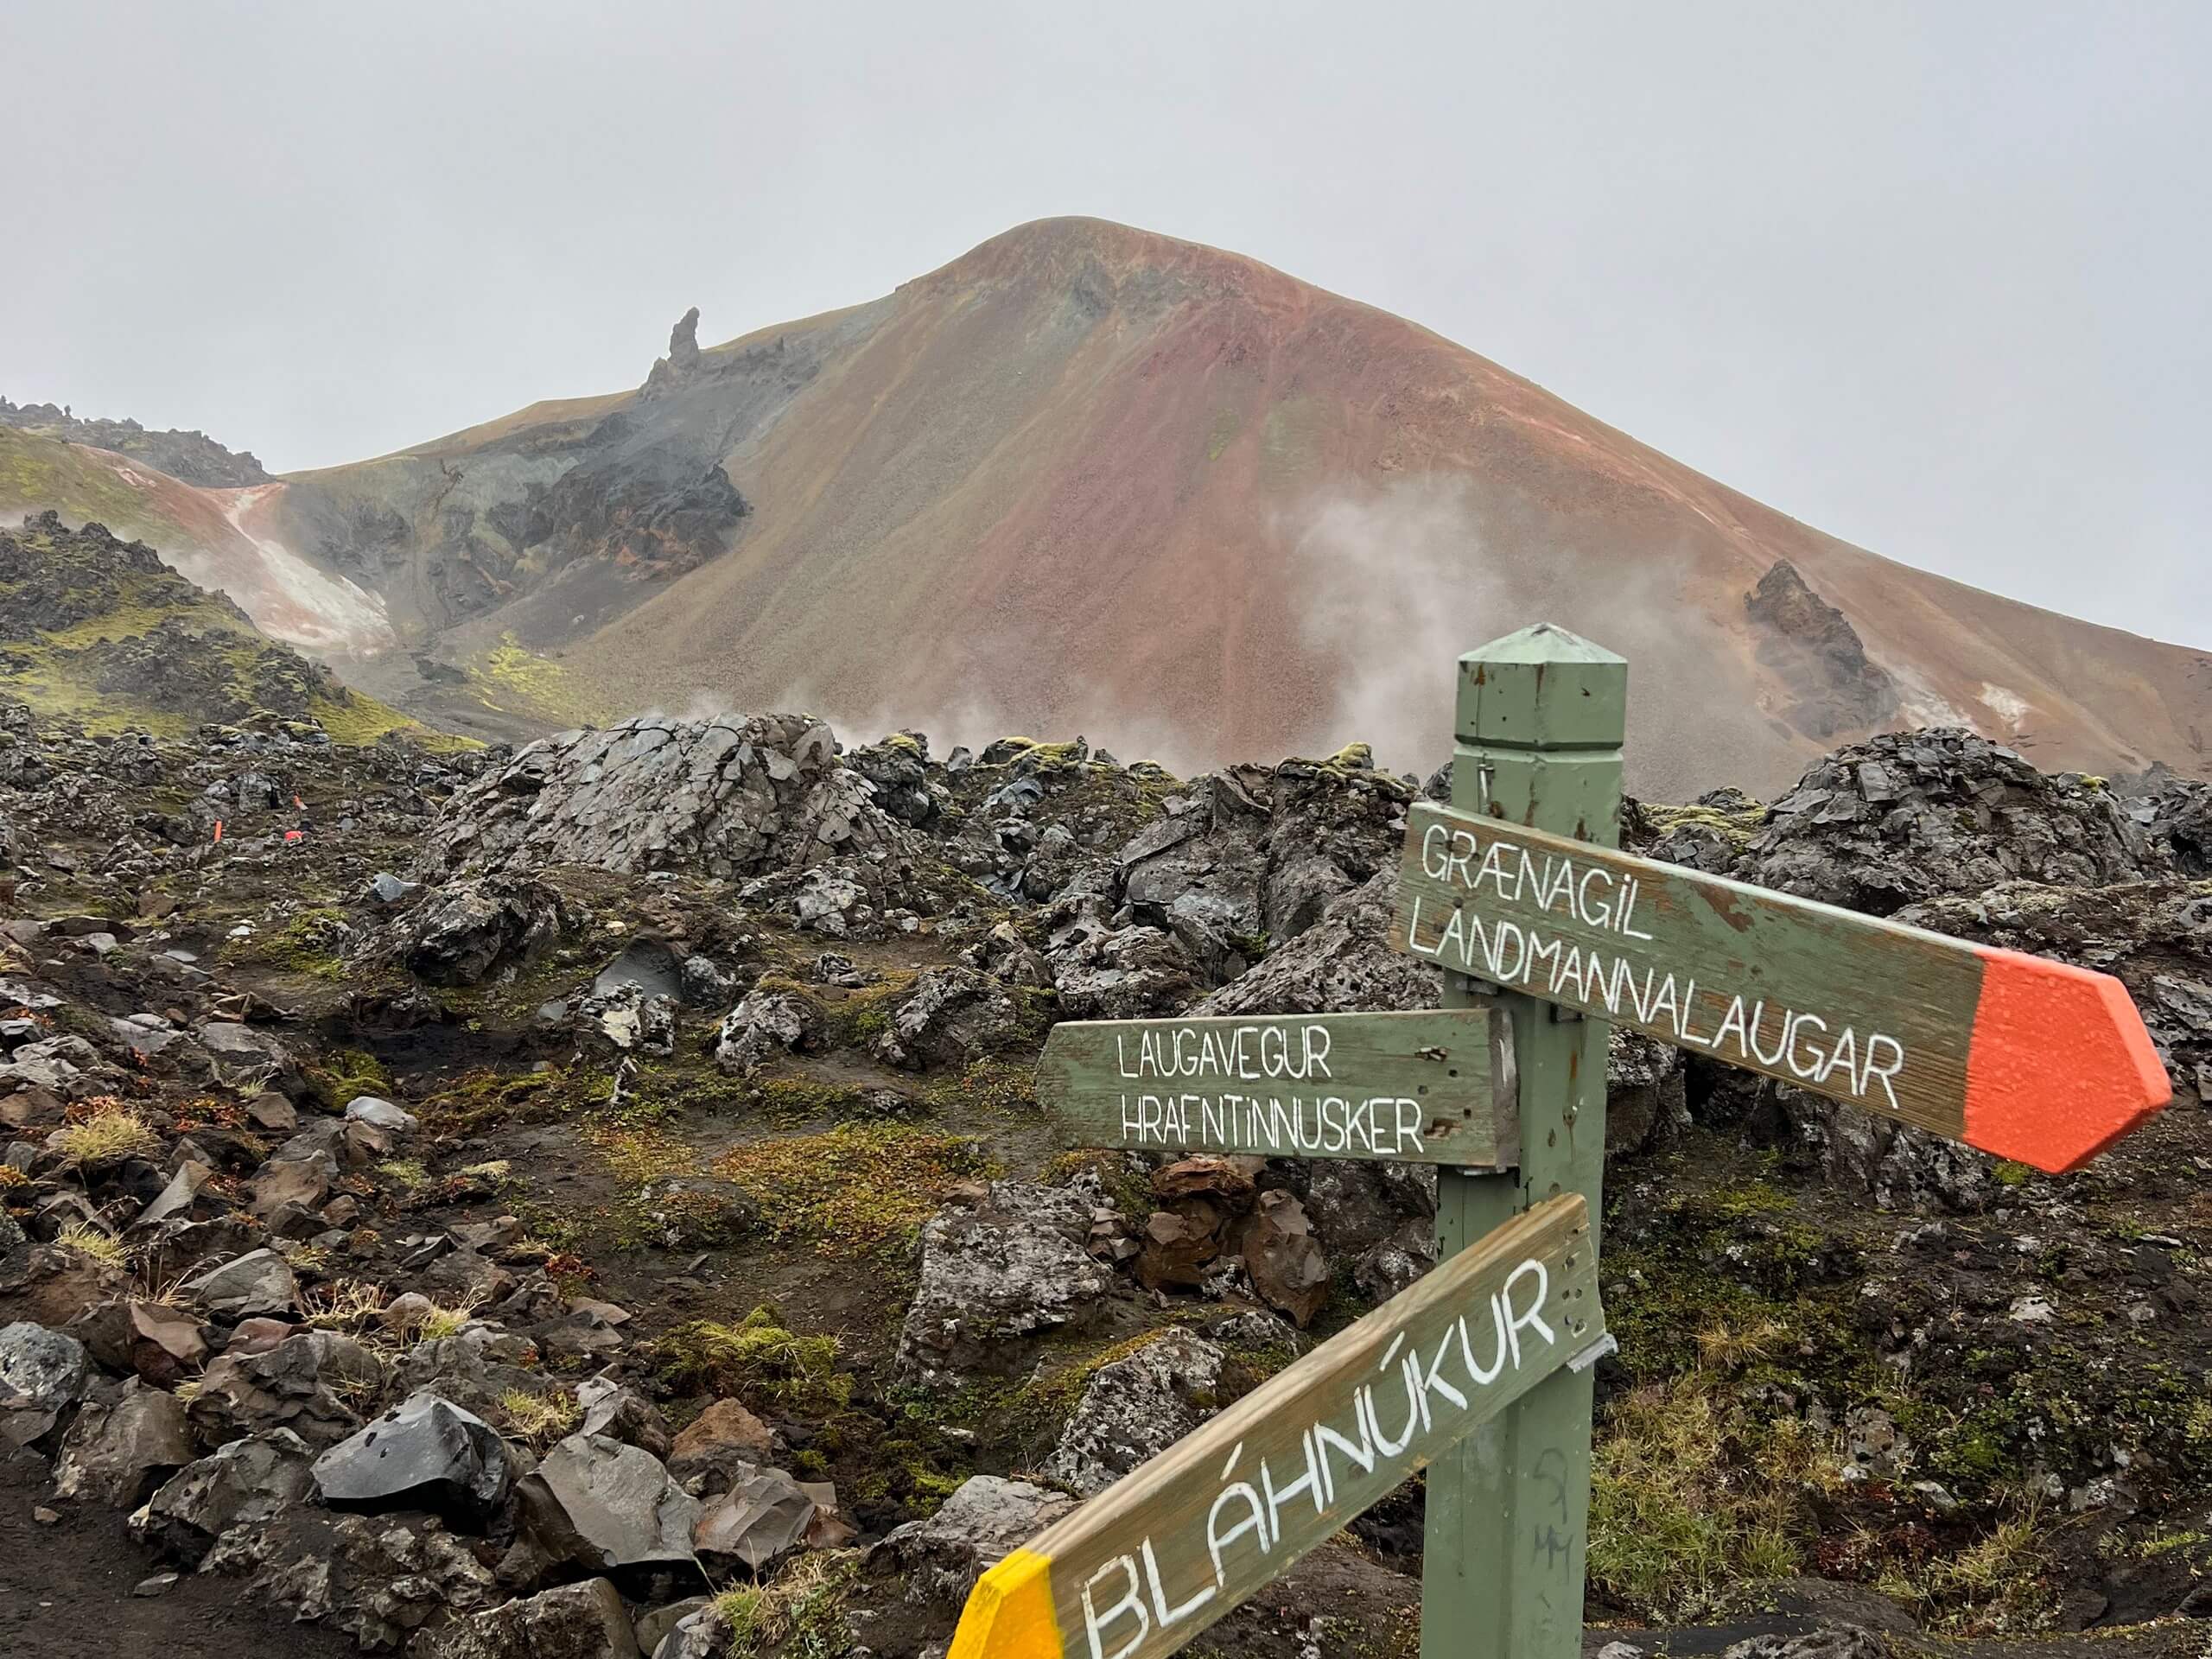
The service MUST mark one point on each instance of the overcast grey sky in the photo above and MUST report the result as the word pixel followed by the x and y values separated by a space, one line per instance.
pixel 1931 277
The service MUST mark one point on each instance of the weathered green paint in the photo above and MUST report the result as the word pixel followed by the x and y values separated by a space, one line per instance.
pixel 1156 1558
pixel 1864 1010
pixel 1541 720
pixel 1425 1087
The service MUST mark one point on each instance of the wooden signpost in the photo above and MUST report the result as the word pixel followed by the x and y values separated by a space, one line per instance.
pixel 1162 1553
pixel 1547 934
pixel 1427 1087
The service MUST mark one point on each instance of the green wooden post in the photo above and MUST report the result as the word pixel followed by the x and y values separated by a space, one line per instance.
pixel 1540 726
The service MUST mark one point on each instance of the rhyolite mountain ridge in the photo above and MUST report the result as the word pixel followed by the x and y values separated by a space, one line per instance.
pixel 1085 478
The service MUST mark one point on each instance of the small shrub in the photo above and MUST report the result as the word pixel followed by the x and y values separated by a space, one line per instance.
pixel 442 1320
pixel 1689 1498
pixel 1999 1586
pixel 798 1614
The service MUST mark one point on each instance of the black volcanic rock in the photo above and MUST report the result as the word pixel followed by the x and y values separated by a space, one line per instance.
pixel 1819 656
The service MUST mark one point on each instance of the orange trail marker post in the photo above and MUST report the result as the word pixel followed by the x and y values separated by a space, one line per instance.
pixel 2031 1059
pixel 1156 1558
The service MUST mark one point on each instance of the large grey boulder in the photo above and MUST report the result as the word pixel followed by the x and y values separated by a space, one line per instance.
pixel 380 1579
pixel 424 1453
pixel 1135 1408
pixel 247 1482
pixel 938 1559
pixel 42 1373
pixel 241 1050
pixel 119 1448
pixel 258 1282
pixel 466 931
pixel 951 1016
pixel 577 1621
pixel 472 1368
pixel 1898 1166
pixel 732 798
pixel 1104 972
pixel 997 1276
pixel 767 1023
pixel 1198 872
pixel 604 1505
pixel 1913 815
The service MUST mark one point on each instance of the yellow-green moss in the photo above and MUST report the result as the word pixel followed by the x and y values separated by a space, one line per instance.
pixel 860 1189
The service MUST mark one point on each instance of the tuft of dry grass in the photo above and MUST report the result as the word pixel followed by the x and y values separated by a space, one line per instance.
pixel 342 1304
pixel 112 1133
pixel 539 1420
pixel 90 1242
pixel 1998 1587
pixel 437 1321
pixel 800 1612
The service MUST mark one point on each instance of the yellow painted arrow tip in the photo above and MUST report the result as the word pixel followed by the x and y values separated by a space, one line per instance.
pixel 1009 1613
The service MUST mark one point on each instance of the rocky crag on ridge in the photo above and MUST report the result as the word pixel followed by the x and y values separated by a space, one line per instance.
pixel 191 456
pixel 632 1136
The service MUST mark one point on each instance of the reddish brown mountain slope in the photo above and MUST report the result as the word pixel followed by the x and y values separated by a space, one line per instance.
pixel 1086 477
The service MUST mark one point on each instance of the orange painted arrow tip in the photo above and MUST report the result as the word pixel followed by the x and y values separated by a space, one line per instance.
pixel 2060 1065
pixel 1009 1613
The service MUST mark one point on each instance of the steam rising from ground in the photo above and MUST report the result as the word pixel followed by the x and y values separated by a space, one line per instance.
pixel 1389 587
pixel 1398 582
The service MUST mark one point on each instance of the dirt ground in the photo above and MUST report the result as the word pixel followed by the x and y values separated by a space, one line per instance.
pixel 66 1591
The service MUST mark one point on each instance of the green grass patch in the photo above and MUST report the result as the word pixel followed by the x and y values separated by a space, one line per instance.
pixel 755 1358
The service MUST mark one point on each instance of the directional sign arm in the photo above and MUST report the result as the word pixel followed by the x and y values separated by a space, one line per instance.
pixel 2021 1056
pixel 1430 1086
pixel 1156 1558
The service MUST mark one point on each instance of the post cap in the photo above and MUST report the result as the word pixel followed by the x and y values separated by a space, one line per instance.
pixel 1543 688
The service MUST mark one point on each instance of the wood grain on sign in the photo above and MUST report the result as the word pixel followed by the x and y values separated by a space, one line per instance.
pixel 2022 1057
pixel 1157 1557
pixel 1427 1087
